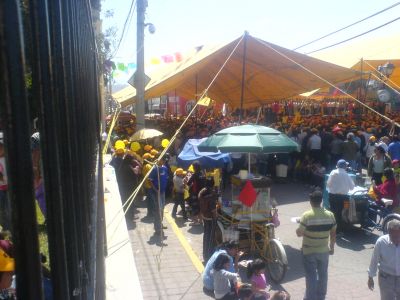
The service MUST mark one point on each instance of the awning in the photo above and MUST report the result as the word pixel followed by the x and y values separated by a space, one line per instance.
pixel 268 75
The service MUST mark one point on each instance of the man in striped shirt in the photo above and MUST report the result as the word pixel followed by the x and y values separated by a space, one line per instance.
pixel 318 229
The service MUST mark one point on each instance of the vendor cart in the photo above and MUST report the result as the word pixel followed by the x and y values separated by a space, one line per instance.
pixel 253 226
pixel 248 217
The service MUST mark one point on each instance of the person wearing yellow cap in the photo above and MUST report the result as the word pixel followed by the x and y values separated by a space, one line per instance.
pixel 7 267
pixel 154 152
pixel 147 159
pixel 179 188
pixel 127 170
pixel 147 148
pixel 159 180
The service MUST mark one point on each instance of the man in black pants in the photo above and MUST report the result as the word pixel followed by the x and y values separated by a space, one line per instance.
pixel 208 208
pixel 339 184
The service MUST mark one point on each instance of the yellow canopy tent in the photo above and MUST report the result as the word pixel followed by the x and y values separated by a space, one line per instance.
pixel 268 74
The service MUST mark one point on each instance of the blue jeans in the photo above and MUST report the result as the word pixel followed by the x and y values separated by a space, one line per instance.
pixel 316 271
pixel 158 205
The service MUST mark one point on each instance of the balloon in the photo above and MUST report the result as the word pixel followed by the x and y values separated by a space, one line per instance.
pixel 165 143
pixel 119 144
pixel 135 146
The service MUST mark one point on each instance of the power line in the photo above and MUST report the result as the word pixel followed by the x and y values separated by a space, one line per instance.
pixel 356 36
pixel 126 25
pixel 336 31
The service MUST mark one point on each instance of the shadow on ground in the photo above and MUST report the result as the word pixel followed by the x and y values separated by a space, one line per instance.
pixel 286 196
pixel 357 239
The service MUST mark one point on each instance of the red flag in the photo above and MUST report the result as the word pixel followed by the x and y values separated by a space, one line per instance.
pixel 248 195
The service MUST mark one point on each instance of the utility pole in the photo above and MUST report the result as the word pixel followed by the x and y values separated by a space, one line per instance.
pixel 140 76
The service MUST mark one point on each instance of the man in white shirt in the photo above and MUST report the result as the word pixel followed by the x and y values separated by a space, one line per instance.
pixel 386 257
pixel 339 184
pixel 314 145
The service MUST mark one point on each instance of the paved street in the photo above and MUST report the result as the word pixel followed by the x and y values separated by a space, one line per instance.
pixel 347 268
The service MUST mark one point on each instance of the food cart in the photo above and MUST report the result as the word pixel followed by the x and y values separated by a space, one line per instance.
pixel 246 211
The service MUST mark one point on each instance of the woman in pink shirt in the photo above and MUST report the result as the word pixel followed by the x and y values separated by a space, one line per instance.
pixel 388 189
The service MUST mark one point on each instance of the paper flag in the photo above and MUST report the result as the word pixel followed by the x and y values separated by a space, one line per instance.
pixel 204 101
pixel 248 195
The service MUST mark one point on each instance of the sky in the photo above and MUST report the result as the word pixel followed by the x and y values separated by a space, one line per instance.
pixel 184 24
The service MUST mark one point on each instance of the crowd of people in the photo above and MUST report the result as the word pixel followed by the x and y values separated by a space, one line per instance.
pixel 327 144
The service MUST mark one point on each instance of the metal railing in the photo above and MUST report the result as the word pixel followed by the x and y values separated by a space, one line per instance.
pixel 64 68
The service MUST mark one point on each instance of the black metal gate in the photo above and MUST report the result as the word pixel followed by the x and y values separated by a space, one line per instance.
pixel 64 69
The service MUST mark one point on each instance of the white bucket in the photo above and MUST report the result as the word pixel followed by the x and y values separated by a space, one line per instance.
pixel 281 171
pixel 243 174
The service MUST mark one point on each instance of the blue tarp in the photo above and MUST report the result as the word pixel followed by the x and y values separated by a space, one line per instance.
pixel 207 160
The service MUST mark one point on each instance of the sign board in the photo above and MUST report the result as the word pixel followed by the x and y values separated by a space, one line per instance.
pixel 132 80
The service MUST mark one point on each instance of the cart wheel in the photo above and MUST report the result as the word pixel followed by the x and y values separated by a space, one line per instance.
pixel 276 260
pixel 387 219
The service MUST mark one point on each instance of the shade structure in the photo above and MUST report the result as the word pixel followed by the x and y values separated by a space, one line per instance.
pixel 145 133
pixel 190 153
pixel 249 139
pixel 268 75
pixel 372 66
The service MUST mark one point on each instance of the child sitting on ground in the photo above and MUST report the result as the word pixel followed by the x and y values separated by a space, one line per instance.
pixel 223 278
pixel 245 292
pixel 280 295
pixel 256 273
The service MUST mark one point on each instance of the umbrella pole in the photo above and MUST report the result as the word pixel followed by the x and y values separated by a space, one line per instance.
pixel 249 157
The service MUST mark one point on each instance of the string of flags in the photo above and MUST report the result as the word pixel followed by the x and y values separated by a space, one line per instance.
pixel 123 68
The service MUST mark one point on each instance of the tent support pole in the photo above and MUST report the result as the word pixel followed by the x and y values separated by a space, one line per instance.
pixel 243 75
pixel 195 94
pixel 176 105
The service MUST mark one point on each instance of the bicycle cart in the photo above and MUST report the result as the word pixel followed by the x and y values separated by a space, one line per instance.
pixel 252 226
pixel 249 219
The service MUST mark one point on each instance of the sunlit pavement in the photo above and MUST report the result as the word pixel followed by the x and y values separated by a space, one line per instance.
pixel 177 278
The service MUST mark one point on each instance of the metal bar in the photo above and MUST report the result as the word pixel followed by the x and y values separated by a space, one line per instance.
pixel 15 110
pixel 246 34
pixel 52 129
pixel 140 75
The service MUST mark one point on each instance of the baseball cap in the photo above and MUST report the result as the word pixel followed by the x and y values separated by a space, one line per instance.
pixel 179 171
pixel 147 147
pixel 148 156
pixel 342 164
pixel 7 263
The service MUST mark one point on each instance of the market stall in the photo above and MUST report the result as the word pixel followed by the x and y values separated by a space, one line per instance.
pixel 246 211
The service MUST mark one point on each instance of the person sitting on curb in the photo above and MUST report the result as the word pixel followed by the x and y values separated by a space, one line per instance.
pixel 232 249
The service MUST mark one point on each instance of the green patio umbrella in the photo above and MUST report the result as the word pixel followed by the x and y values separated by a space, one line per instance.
pixel 249 138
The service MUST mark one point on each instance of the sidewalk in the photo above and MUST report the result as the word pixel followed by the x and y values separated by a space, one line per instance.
pixel 167 270
pixel 121 275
